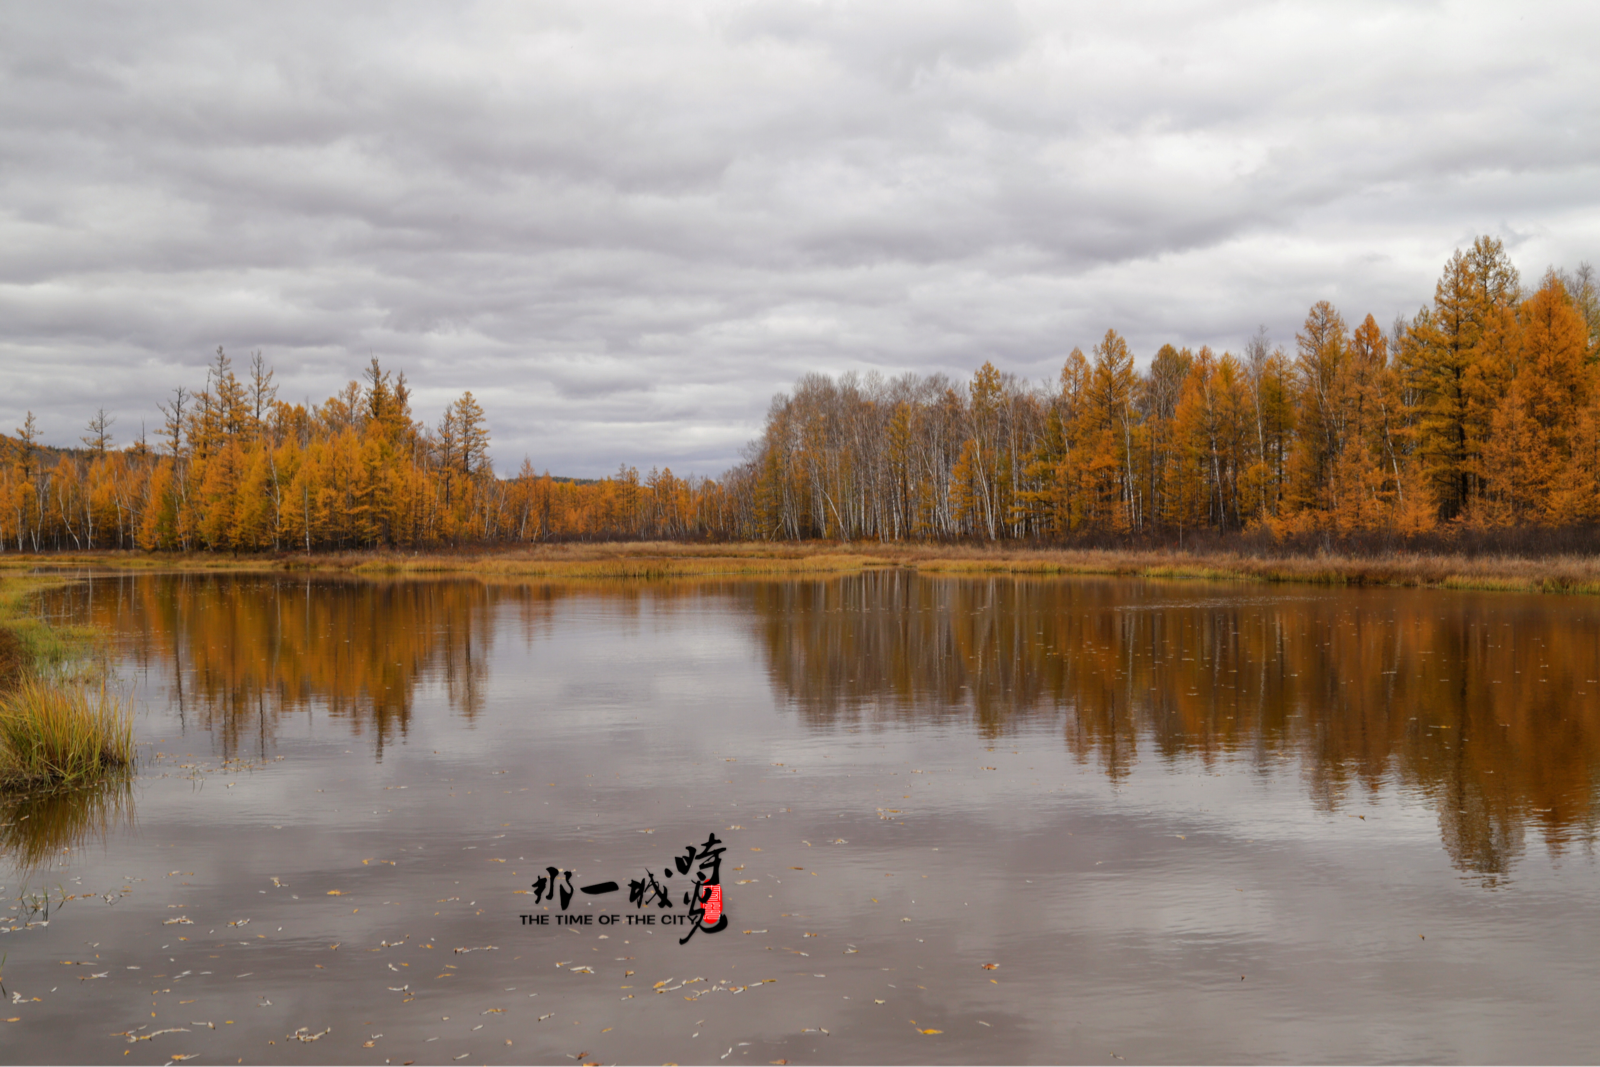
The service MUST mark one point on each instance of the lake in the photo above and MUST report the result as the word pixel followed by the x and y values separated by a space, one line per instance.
pixel 954 820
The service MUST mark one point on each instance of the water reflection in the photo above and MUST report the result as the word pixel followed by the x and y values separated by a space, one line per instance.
pixel 39 830
pixel 1486 704
pixel 238 653
pixel 241 652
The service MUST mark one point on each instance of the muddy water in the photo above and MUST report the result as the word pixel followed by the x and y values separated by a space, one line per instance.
pixel 958 821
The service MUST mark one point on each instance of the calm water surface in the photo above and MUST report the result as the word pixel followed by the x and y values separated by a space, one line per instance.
pixel 964 821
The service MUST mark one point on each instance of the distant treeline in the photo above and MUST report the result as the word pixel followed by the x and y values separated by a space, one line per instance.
pixel 1480 412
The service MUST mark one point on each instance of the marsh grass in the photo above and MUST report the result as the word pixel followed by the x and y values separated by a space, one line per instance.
pixel 1528 564
pixel 1566 573
pixel 1557 573
pixel 639 564
pixel 62 735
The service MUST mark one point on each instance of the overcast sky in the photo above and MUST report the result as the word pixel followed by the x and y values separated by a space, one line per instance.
pixel 625 226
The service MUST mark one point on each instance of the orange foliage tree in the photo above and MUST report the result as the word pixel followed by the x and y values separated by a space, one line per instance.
pixel 1480 411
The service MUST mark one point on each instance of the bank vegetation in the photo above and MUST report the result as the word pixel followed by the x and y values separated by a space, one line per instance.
pixel 61 726
pixel 1543 572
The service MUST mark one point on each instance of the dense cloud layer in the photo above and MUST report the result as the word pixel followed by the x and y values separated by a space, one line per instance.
pixel 625 226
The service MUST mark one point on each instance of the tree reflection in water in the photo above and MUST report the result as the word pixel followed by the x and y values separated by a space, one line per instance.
pixel 1485 704
pixel 243 652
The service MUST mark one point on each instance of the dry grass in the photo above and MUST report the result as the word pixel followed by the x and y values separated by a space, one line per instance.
pixel 1569 572
pixel 1555 574
pixel 54 735
pixel 635 560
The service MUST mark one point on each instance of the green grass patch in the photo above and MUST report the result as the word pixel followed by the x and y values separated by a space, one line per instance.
pixel 29 644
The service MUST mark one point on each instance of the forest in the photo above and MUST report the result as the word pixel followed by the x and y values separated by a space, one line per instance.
pixel 1481 412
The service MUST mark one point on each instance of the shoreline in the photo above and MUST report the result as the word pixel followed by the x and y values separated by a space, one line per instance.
pixel 651 560
pixel 55 733
pixel 30 644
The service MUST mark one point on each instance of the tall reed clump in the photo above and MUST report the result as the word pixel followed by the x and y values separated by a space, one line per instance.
pixel 56 735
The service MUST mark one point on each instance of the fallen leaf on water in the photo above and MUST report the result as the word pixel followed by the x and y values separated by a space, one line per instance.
pixel 336 892
pixel 134 1038
pixel 991 966
pixel 936 1031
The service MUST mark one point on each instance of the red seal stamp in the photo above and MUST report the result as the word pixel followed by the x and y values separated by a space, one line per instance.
pixel 711 903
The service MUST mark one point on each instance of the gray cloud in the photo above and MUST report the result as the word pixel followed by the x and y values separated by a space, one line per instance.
pixel 625 226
